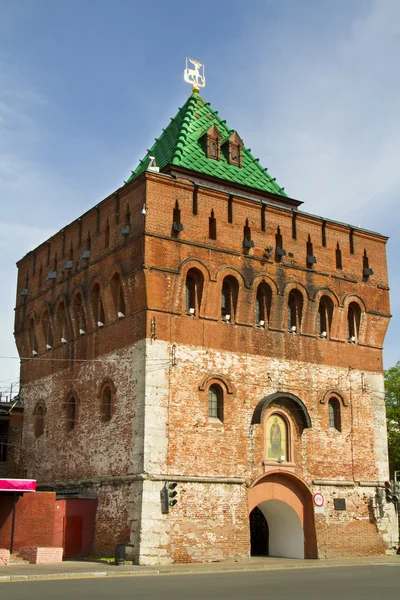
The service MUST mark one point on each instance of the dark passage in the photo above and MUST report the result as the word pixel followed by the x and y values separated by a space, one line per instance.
pixel 259 533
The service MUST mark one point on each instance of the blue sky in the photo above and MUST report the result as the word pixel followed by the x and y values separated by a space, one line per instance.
pixel 86 86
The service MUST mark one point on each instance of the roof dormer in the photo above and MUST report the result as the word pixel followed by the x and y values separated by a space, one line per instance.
pixel 212 142
pixel 232 148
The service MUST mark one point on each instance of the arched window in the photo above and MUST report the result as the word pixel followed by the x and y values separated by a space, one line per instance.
pixel 62 323
pixel 32 337
pixel 39 420
pixel 325 314
pixel 79 315
pixel 295 311
pixel 334 414
pixel 97 306
pixel 106 404
pixel 353 322
pixel 71 412
pixel 263 304
pixel 229 297
pixel 194 291
pixel 47 333
pixel 277 438
pixel 118 295
pixel 216 402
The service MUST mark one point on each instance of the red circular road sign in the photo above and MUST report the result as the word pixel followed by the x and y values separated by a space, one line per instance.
pixel 319 499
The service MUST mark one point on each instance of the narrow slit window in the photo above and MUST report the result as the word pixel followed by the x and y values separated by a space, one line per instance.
pixel 311 260
pixel 263 217
pixel 107 235
pixel 127 216
pixel 339 264
pixel 176 215
pixel 294 226
pixel 247 241
pixel 80 232
pixel 351 241
pixel 230 209
pixel 195 199
pixel 323 233
pixel 212 226
pixel 279 250
pixel 98 220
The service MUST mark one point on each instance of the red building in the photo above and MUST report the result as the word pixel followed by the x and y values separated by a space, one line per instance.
pixel 197 327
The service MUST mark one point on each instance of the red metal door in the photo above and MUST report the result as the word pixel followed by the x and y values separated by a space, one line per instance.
pixel 72 536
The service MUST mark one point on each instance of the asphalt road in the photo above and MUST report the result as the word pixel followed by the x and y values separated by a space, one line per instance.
pixel 366 582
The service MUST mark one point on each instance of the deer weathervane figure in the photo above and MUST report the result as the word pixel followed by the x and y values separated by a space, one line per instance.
pixel 194 74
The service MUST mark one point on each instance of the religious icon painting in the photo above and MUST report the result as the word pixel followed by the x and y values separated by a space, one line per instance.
pixel 276 438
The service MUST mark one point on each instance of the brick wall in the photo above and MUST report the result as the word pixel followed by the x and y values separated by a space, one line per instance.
pixel 34 519
pixel 41 556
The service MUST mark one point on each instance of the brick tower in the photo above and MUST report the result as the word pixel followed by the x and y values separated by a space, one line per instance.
pixel 197 328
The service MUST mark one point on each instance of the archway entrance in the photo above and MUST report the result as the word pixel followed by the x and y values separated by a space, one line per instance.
pixel 286 536
pixel 259 533
pixel 282 517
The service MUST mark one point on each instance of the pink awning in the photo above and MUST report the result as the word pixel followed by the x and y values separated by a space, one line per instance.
pixel 17 485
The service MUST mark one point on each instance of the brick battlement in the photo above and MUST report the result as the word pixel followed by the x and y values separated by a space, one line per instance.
pixel 152 260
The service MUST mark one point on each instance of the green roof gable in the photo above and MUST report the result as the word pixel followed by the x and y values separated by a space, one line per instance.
pixel 180 145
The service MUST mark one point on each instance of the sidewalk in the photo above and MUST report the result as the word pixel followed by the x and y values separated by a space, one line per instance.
pixel 83 569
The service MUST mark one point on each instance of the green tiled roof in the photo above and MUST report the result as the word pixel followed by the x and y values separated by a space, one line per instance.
pixel 180 145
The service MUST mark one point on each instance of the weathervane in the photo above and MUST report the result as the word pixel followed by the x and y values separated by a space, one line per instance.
pixel 194 74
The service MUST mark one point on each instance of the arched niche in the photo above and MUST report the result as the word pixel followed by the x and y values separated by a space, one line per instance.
pixel 263 405
pixel 334 394
pixel 216 379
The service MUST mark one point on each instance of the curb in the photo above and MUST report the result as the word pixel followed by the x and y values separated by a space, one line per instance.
pixel 149 571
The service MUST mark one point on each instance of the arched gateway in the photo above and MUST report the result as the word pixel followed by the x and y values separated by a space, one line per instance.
pixel 282 517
